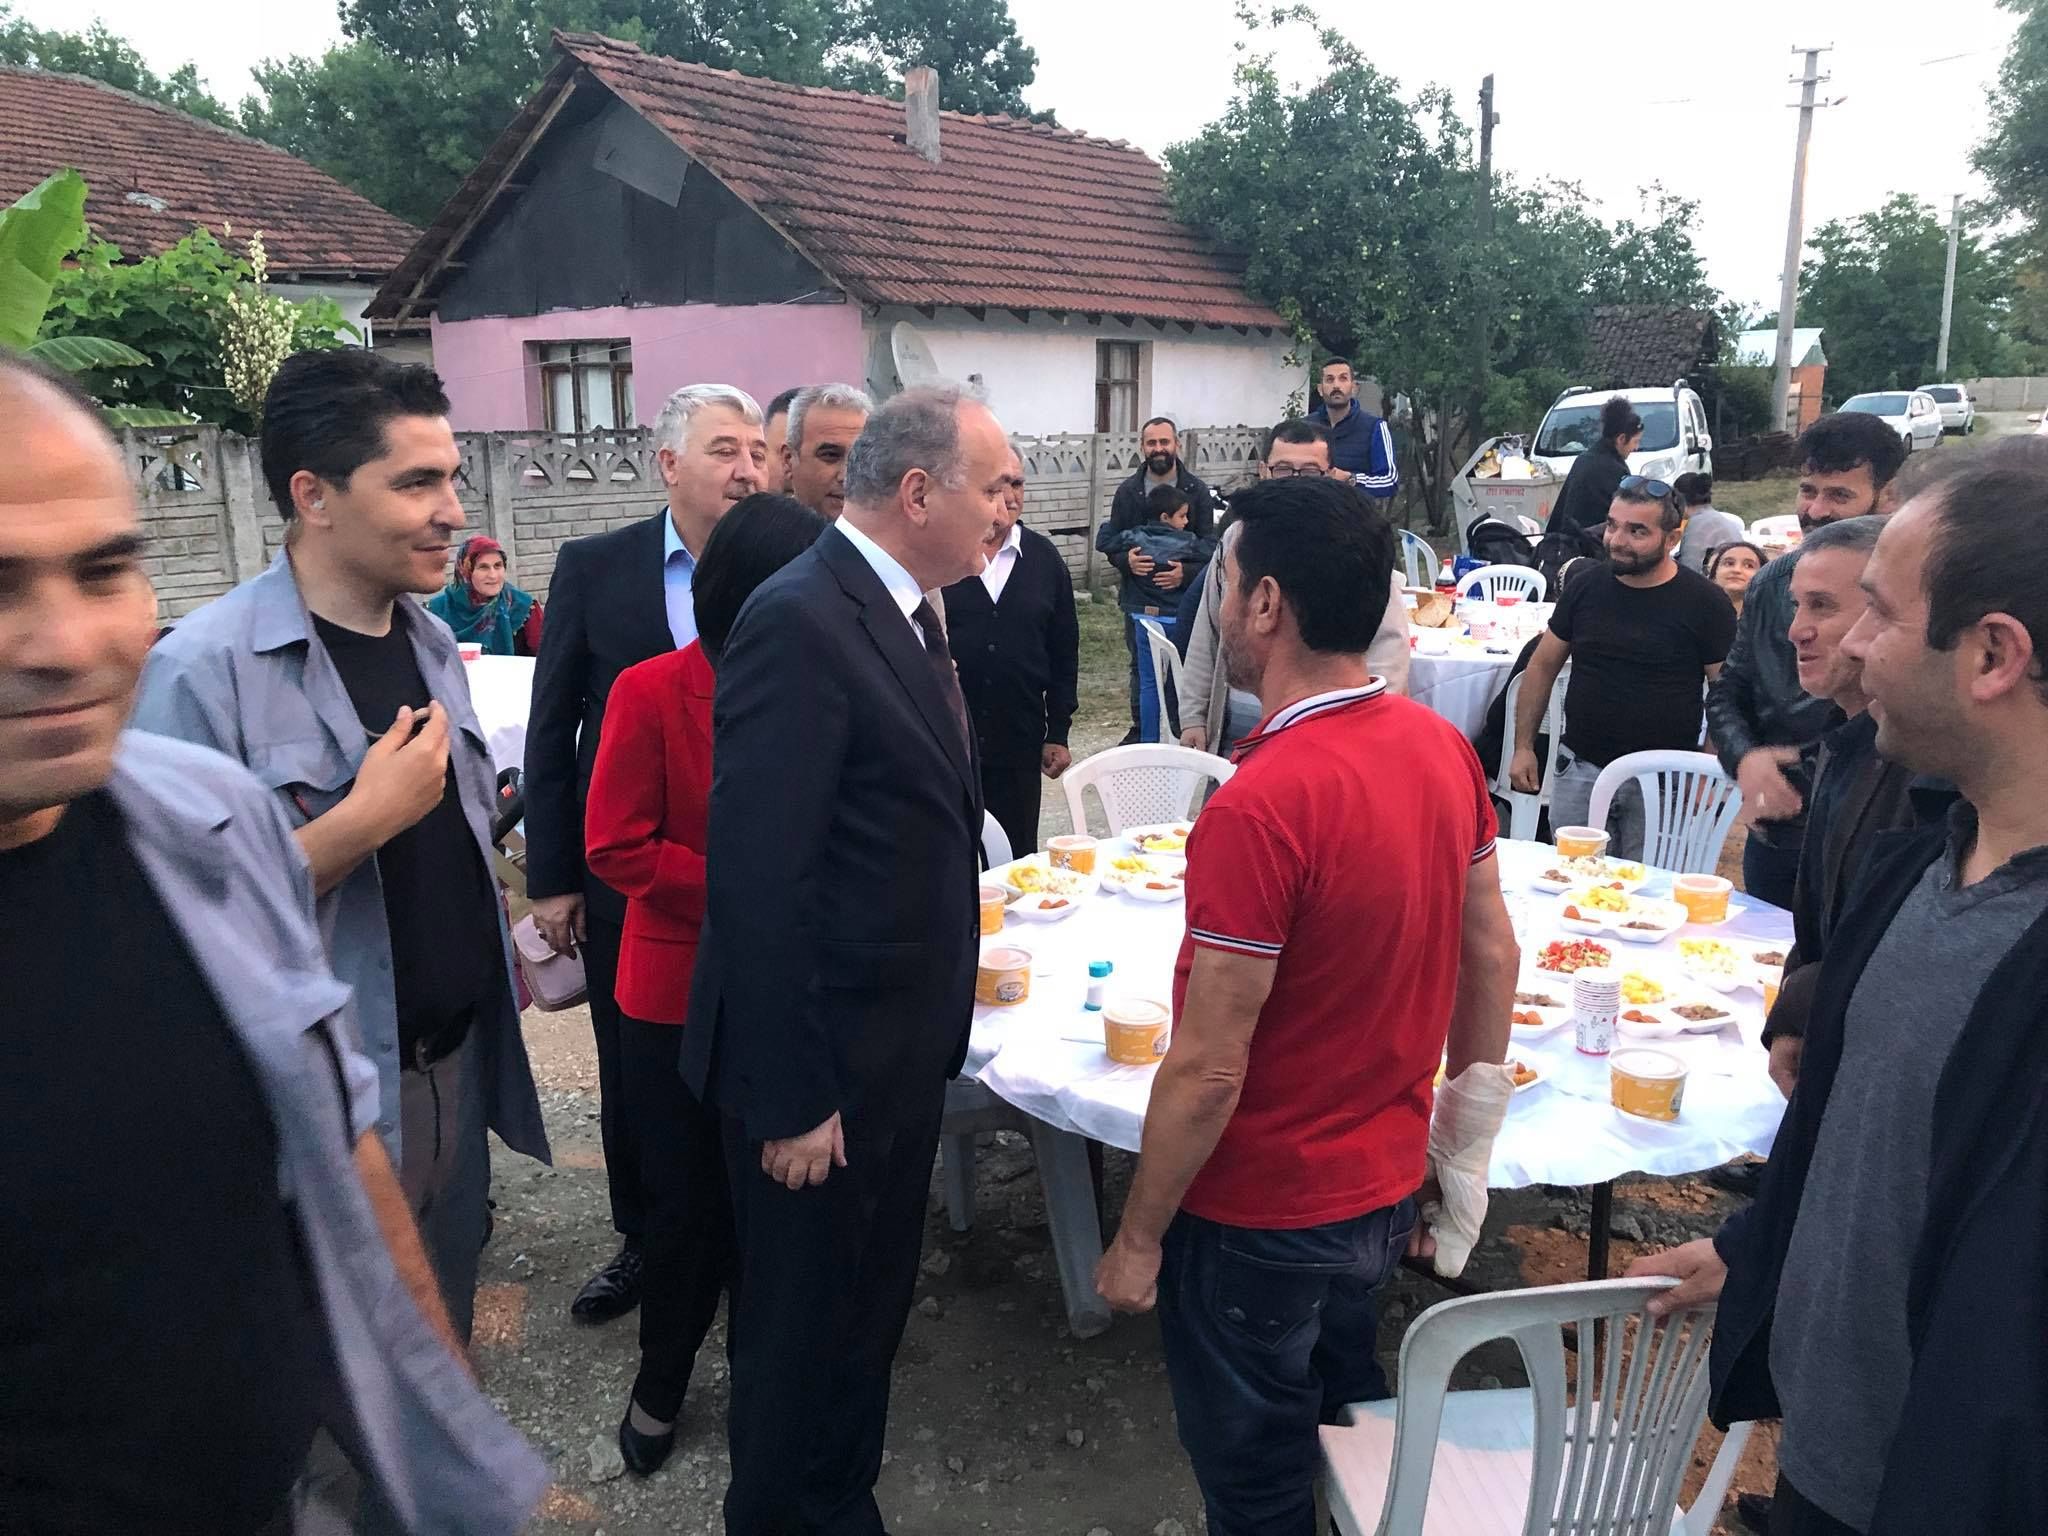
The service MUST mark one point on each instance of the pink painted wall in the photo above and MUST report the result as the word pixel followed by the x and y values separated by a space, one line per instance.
pixel 763 348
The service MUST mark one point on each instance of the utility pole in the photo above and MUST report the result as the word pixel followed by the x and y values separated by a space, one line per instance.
pixel 1482 311
pixel 1795 234
pixel 1948 286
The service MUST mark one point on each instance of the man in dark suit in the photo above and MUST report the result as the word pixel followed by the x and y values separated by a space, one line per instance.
pixel 1018 647
pixel 835 980
pixel 617 599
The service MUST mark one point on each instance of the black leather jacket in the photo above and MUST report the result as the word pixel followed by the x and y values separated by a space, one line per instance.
pixel 1757 700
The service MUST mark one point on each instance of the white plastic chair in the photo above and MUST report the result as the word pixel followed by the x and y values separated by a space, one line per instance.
pixel 1689 804
pixel 1418 559
pixel 1166 663
pixel 1489 583
pixel 1141 785
pixel 1600 1454
pixel 1525 809
pixel 995 842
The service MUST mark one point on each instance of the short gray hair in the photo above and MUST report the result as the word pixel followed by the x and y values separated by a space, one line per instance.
pixel 834 397
pixel 918 429
pixel 1856 534
pixel 678 409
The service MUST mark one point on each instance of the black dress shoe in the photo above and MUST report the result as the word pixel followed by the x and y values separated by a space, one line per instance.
pixel 644 1454
pixel 613 1291
pixel 1754 1510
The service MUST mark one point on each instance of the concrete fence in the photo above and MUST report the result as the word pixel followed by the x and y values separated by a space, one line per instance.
pixel 2017 394
pixel 210 522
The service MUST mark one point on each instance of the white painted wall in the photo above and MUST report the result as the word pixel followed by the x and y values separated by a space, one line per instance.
pixel 1040 374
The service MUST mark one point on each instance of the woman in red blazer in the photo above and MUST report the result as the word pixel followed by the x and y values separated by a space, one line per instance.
pixel 644 836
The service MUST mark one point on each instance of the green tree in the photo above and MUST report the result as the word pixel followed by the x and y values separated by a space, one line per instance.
pixel 1874 283
pixel 2013 155
pixel 100 55
pixel 404 108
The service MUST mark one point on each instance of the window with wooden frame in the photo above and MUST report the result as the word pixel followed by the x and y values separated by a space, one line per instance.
pixel 1117 408
pixel 586 386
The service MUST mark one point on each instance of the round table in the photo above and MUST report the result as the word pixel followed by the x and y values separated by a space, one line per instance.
pixel 1045 1055
pixel 501 691
pixel 1460 682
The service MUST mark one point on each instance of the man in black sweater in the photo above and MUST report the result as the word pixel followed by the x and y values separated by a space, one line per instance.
pixel 1017 645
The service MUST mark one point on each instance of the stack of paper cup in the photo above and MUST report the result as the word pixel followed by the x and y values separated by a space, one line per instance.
pixel 1596 1004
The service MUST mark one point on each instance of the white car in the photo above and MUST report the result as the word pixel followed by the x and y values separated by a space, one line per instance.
pixel 1675 437
pixel 1958 410
pixel 1911 413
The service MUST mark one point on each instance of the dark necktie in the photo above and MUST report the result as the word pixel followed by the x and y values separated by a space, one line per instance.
pixel 941 659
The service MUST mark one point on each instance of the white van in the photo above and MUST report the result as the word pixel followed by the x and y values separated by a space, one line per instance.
pixel 1675 437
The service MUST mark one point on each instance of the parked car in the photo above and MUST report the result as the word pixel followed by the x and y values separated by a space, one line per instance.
pixel 1675 437
pixel 1958 410
pixel 1911 413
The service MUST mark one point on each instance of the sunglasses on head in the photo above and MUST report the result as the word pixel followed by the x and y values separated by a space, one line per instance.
pixel 1645 483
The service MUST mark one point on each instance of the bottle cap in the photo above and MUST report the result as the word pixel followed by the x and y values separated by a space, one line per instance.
pixel 1100 967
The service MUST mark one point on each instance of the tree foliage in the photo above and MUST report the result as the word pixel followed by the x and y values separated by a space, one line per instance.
pixel 1355 208
pixel 100 55
pixel 404 108
pixel 2013 155
pixel 1874 284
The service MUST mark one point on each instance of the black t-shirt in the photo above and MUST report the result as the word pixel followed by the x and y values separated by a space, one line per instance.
pixel 159 1342
pixel 439 902
pixel 1639 660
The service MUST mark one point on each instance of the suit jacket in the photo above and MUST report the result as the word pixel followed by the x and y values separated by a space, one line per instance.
pixel 607 611
pixel 643 828
pixel 836 969
pixel 1019 659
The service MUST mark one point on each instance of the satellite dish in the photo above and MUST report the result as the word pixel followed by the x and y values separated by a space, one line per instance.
pixel 914 361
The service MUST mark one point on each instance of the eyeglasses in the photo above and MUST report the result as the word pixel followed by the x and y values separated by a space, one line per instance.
pixel 1644 483
pixel 1294 472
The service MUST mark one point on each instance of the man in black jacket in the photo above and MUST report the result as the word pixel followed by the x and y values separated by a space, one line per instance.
pixel 1017 644
pixel 1159 441
pixel 1883 1295
pixel 1761 721
pixel 617 599
pixel 1598 472
pixel 835 982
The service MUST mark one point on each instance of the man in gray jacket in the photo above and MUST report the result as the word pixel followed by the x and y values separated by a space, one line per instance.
pixel 1214 715
pixel 209 1258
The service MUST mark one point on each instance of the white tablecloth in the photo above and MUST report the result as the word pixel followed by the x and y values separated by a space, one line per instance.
pixel 1460 683
pixel 1045 1056
pixel 501 689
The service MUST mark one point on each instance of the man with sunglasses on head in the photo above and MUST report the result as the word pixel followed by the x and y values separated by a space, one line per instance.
pixel 1645 635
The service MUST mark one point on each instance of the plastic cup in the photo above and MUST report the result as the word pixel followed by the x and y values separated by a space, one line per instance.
pixel 1596 1009
pixel 993 900
pixel 1581 842
pixel 1136 1030
pixel 1650 1084
pixel 469 650
pixel 1072 852
pixel 1704 897
pixel 1003 978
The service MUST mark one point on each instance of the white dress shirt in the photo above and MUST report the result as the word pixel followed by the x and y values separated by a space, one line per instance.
pixel 996 574
pixel 903 587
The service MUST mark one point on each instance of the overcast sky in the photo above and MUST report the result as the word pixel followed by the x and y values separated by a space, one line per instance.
pixel 1690 95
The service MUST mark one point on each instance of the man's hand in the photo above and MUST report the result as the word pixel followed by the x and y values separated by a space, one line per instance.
pixel 1138 563
pixel 1195 737
pixel 1168 578
pixel 560 921
pixel 1524 772
pixel 1054 760
pixel 1766 790
pixel 805 1159
pixel 1344 475
pixel 1698 1267
pixel 403 774
pixel 1785 1053
pixel 1128 1276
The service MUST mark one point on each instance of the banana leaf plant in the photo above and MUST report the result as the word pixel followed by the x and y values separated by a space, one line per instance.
pixel 41 228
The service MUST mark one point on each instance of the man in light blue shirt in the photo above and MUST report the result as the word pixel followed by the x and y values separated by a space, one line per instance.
pixel 228 1027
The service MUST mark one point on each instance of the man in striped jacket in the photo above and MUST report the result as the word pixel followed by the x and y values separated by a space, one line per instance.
pixel 1361 445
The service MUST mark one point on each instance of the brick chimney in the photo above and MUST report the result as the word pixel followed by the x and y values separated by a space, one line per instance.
pixel 921 111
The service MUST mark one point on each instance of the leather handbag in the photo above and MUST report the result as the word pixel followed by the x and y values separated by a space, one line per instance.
pixel 556 981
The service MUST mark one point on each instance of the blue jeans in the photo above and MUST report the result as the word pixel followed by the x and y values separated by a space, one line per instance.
pixel 1150 726
pixel 1267 1335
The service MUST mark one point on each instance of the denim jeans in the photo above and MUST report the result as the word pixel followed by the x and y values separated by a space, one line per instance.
pixel 1267 1335
pixel 1571 799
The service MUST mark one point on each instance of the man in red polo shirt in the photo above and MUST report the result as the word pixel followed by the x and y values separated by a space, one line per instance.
pixel 1346 933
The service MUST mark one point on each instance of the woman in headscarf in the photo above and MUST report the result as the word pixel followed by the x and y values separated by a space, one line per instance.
pixel 483 608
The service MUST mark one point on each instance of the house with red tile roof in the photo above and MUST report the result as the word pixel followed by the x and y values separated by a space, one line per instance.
pixel 153 174
pixel 645 223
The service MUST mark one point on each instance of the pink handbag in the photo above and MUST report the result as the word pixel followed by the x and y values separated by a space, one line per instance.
pixel 556 981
